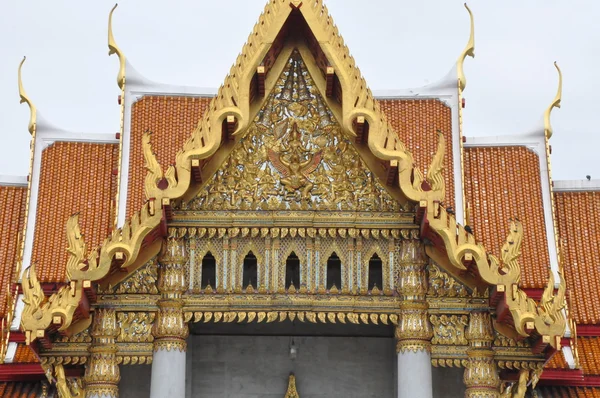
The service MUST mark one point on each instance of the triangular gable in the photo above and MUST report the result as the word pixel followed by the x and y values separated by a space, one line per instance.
pixel 294 157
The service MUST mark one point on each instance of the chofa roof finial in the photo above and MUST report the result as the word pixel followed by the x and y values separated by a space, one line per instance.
pixel 25 98
pixel 555 103
pixel 114 49
pixel 469 50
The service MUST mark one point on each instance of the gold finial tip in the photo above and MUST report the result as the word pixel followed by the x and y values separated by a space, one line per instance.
pixel 25 98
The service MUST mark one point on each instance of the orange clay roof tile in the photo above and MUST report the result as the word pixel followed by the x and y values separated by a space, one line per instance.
pixel 557 362
pixel 25 389
pixel 569 392
pixel 417 123
pixel 171 121
pixel 12 206
pixel 578 221
pixel 75 177
pixel 503 183
pixel 25 354
pixel 589 355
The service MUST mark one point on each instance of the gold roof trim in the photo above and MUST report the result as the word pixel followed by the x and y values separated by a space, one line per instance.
pixel 555 104
pixel 232 100
pixel 25 98
pixel 113 48
pixel 468 51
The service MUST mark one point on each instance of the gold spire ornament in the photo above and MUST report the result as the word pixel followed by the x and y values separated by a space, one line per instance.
pixel 25 98
pixel 555 104
pixel 469 50
pixel 292 392
pixel 114 49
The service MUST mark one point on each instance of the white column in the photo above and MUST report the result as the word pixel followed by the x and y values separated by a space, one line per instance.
pixel 414 375
pixel 168 374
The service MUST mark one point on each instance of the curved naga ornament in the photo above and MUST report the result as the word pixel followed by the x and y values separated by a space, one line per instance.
pixel 38 314
pixel 114 49
pixel 548 319
pixel 468 51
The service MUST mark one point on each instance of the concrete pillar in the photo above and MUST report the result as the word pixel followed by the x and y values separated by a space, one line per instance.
pixel 170 330
pixel 102 372
pixel 414 331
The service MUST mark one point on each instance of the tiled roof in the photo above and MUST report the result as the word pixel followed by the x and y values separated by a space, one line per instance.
pixel 171 121
pixel 589 355
pixel 557 362
pixel 12 213
pixel 25 354
pixel 417 123
pixel 75 177
pixel 569 392
pixel 578 219
pixel 21 390
pixel 503 183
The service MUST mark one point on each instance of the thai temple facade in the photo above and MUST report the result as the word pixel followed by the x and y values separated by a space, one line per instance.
pixel 296 235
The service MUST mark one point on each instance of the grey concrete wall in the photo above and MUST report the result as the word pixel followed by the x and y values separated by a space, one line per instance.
pixel 258 366
pixel 448 382
pixel 135 381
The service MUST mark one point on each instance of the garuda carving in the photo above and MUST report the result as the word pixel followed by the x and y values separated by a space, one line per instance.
pixel 294 157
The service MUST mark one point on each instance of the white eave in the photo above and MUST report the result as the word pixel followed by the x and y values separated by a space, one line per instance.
pixel 577 186
pixel 13 181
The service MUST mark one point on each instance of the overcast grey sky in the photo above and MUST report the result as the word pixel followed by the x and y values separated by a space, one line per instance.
pixel 396 43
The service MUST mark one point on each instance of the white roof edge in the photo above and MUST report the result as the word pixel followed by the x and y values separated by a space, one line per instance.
pixel 443 88
pixel 49 133
pixel 13 181
pixel 504 140
pixel 136 83
pixel 576 185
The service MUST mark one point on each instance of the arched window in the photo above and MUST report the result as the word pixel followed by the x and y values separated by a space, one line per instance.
pixel 209 271
pixel 375 272
pixel 250 273
pixel 334 271
pixel 292 271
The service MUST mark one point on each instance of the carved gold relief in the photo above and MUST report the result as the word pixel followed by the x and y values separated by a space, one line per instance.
pixel 294 157
pixel 449 329
pixel 481 374
pixel 135 326
pixel 441 284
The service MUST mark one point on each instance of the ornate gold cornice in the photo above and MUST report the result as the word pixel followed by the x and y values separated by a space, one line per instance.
pixel 113 48
pixel 555 104
pixel 468 51
pixel 25 98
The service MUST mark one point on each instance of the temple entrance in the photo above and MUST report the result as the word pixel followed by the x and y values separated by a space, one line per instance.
pixel 255 360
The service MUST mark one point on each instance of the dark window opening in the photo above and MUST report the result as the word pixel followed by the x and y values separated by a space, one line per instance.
pixel 250 272
pixel 209 271
pixel 375 272
pixel 334 271
pixel 292 271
